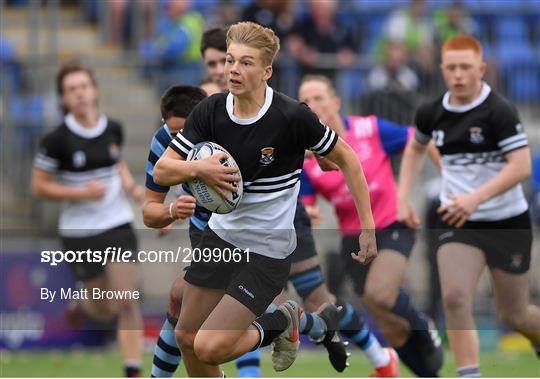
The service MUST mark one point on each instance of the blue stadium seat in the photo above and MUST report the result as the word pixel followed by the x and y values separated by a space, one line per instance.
pixel 379 5
pixel 373 31
pixel 511 56
pixel 522 84
pixel 438 4
pixel 511 29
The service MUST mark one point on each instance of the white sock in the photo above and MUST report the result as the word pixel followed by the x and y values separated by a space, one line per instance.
pixel 472 371
pixel 376 355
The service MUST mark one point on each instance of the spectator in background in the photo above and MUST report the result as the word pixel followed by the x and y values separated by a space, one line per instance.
pixel 174 53
pixel 452 22
pixel 392 86
pixel 321 33
pixel 274 14
pixel 393 74
pixel 122 29
pixel 412 27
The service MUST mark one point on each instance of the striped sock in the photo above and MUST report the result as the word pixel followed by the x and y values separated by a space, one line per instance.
pixel 352 326
pixel 248 365
pixel 469 371
pixel 166 354
pixel 312 325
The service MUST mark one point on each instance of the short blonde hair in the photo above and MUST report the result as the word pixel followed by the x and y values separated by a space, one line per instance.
pixel 256 36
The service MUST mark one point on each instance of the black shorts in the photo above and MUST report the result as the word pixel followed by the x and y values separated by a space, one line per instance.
pixel 195 235
pixel 305 244
pixel 506 244
pixel 120 237
pixel 397 237
pixel 254 281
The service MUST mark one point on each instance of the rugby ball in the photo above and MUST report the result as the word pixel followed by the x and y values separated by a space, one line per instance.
pixel 204 194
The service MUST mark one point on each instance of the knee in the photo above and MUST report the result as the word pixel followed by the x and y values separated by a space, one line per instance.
pixel 128 306
pixel 455 299
pixel 175 299
pixel 513 320
pixel 211 351
pixel 380 297
pixel 184 339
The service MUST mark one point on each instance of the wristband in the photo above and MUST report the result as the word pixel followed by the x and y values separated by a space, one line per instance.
pixel 170 211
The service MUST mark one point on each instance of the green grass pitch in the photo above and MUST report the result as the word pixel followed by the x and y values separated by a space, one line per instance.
pixel 310 363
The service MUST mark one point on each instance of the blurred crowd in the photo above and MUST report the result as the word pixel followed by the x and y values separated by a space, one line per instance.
pixel 382 54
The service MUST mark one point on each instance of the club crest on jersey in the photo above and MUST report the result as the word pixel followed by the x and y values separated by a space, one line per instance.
pixel 114 151
pixel 476 135
pixel 79 159
pixel 267 156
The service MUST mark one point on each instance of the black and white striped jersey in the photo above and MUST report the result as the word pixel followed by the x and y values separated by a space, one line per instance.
pixel 269 149
pixel 77 155
pixel 473 140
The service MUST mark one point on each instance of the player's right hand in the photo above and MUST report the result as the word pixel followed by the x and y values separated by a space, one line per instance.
pixel 94 190
pixel 407 215
pixel 216 175
pixel 183 207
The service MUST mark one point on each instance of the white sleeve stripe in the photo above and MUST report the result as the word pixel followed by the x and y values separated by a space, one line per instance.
pixel 512 139
pixel 324 150
pixel 46 158
pixel 515 145
pixel 179 147
pixel 184 140
pixel 44 165
pixel 321 142
pixel 330 138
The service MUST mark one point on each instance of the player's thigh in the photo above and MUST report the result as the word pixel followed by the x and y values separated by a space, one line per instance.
pixel 175 295
pixel 460 266
pixel 197 304
pixel 227 322
pixel 385 275
pixel 511 293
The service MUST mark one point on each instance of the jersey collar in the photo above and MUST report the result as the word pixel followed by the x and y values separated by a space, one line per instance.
pixel 486 90
pixel 248 121
pixel 83 132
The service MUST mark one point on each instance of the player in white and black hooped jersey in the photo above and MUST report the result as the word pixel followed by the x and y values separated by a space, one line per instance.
pixel 473 140
pixel 484 215
pixel 79 163
pixel 267 134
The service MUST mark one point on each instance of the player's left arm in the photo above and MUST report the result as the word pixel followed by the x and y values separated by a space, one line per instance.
pixel 129 184
pixel 516 170
pixel 343 155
